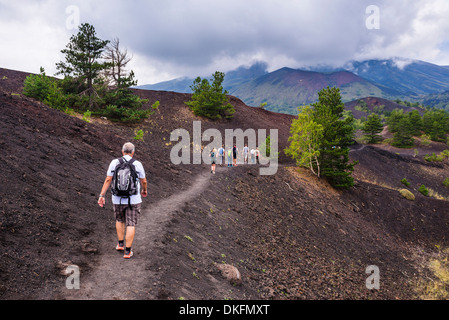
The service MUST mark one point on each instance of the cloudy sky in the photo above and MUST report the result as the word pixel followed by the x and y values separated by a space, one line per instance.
pixel 174 38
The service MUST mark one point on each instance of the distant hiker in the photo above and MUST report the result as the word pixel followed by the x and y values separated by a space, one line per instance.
pixel 213 160
pixel 253 156
pixel 221 154
pixel 127 177
pixel 229 153
pixel 245 154
pixel 235 151
pixel 257 155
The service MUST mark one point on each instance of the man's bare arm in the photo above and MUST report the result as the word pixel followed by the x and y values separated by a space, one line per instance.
pixel 106 184
pixel 143 184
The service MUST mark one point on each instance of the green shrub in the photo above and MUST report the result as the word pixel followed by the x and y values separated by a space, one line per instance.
pixel 69 111
pixel 56 99
pixel 124 114
pixel 118 105
pixel 38 86
pixel 424 190
pixel 425 140
pixel 433 157
pixel 139 135
pixel 155 106
pixel 124 97
pixel 87 115
pixel 446 182
pixel 405 182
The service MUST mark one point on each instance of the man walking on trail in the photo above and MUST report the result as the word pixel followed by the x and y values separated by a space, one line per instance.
pixel 126 209
pixel 235 151
pixel 229 153
pixel 245 154
pixel 253 156
pixel 257 155
pixel 213 160
pixel 221 154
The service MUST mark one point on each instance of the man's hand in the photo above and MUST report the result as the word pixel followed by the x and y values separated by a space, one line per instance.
pixel 106 184
pixel 101 201
pixel 143 183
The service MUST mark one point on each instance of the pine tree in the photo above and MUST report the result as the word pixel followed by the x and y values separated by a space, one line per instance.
pixel 393 120
pixel 416 123
pixel 209 99
pixel 403 137
pixel 372 128
pixel 83 57
pixel 338 135
pixel 436 124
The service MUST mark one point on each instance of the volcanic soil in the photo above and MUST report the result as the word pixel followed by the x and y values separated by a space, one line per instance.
pixel 290 235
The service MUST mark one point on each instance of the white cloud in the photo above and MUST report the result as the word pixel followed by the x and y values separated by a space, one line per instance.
pixel 174 38
pixel 32 35
pixel 412 30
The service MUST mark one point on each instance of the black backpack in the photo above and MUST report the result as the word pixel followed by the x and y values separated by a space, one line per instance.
pixel 125 180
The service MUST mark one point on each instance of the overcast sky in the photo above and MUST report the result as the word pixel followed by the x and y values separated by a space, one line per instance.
pixel 174 38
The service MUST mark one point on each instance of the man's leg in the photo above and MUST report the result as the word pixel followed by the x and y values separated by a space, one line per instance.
pixel 120 226
pixel 130 232
pixel 132 215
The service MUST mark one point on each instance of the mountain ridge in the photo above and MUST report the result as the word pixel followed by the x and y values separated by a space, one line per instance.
pixel 389 78
pixel 286 89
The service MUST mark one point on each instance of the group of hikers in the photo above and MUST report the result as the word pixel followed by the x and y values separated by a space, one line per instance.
pixel 127 180
pixel 219 156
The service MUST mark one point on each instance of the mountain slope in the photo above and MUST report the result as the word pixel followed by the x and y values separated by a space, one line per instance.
pixel 374 104
pixel 232 81
pixel 411 78
pixel 437 100
pixel 285 89
pixel 181 85
pixel 290 234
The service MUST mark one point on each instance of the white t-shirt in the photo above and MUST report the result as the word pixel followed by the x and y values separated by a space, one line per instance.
pixel 135 199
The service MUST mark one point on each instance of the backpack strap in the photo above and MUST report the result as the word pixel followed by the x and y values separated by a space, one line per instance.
pixel 122 160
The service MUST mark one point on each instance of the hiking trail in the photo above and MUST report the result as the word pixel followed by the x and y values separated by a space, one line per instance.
pixel 359 149
pixel 116 278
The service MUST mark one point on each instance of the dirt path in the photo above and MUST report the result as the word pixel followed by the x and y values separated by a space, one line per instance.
pixel 359 149
pixel 115 278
